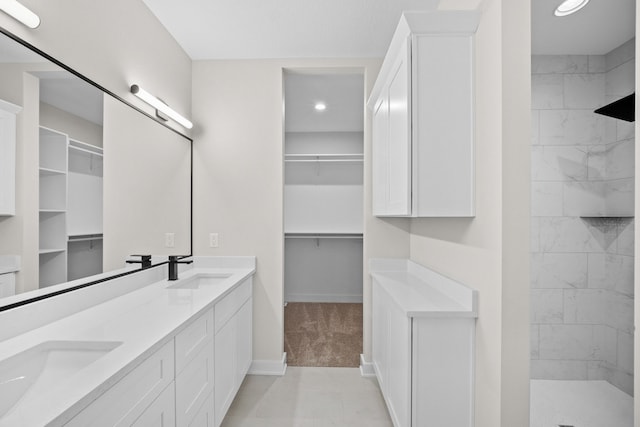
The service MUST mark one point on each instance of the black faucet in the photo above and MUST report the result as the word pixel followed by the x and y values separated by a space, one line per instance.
pixel 145 261
pixel 173 265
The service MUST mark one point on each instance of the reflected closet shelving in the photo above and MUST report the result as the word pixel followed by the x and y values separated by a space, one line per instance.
pixel 70 208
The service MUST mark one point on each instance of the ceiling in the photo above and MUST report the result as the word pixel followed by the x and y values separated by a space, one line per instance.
pixel 233 29
pixel 343 94
pixel 596 29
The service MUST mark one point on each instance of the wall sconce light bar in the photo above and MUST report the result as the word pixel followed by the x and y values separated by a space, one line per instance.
pixel 160 106
pixel 20 13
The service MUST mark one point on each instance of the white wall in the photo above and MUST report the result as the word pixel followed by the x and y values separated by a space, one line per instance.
pixel 238 174
pixel 114 43
pixel 491 251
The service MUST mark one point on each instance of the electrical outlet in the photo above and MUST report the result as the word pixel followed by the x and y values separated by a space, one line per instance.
pixel 213 240
pixel 169 240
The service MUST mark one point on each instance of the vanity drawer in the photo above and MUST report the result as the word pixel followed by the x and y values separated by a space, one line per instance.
pixel 123 403
pixel 193 338
pixel 194 384
pixel 226 308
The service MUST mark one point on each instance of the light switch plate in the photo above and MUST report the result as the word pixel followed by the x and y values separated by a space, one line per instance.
pixel 213 240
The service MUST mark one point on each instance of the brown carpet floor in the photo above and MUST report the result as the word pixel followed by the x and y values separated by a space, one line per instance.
pixel 323 334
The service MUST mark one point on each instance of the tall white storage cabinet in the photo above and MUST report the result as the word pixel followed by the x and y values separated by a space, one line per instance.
pixel 423 118
pixel 70 226
pixel 423 340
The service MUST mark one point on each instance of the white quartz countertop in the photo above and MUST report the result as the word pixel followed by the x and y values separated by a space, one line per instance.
pixel 421 292
pixel 142 320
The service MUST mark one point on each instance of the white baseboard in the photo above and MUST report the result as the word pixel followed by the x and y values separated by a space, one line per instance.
pixel 366 368
pixel 323 298
pixel 269 367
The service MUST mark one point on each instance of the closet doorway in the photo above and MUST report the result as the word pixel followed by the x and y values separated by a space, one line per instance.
pixel 323 216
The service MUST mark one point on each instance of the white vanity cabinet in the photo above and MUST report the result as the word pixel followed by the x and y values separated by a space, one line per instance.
pixel 133 396
pixel 423 118
pixel 8 112
pixel 191 380
pixel 194 368
pixel 423 340
pixel 233 345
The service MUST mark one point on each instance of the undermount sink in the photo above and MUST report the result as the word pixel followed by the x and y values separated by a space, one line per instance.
pixel 200 281
pixel 40 368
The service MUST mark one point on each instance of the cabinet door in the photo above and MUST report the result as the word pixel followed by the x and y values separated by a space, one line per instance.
pixel 194 384
pixel 161 412
pixel 225 368
pixel 380 155
pixel 398 359
pixel 399 163
pixel 380 330
pixel 244 341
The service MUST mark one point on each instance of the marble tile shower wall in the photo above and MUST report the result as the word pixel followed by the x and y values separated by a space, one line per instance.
pixel 582 269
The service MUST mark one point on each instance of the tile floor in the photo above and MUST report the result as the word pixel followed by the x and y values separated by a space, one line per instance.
pixel 579 404
pixel 309 397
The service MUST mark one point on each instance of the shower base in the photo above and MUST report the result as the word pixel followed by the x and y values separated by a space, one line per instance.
pixel 579 404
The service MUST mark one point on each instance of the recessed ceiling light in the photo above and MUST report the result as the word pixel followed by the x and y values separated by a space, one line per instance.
pixel 567 7
pixel 320 106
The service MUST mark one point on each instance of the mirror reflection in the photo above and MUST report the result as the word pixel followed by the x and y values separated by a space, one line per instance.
pixel 85 179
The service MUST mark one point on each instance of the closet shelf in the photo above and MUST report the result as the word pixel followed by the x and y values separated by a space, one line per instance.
pixel 323 235
pixel 52 211
pixel 51 251
pixel 332 158
pixel 49 171
pixel 84 237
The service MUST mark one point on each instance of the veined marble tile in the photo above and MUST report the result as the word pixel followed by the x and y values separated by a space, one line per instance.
pixel 625 130
pixel 571 127
pixel 597 270
pixel 567 342
pixel 597 63
pixel 597 163
pixel 598 307
pixel 619 274
pixel 535 127
pixel 568 234
pixel 546 306
pixel 559 369
pixel 561 64
pixel 626 237
pixel 533 342
pixel 583 91
pixel 625 352
pixel 559 270
pixel 610 127
pixel 605 339
pixel 547 91
pixel 583 198
pixel 619 197
pixel 558 163
pixel 620 81
pixel 546 199
pixel 623 53
pixel 620 160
